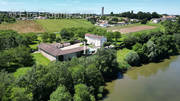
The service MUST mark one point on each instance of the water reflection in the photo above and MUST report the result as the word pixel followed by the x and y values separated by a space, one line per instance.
pixel 152 82
pixel 150 69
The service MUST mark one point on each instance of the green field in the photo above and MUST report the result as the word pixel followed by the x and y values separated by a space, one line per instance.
pixel 55 25
pixel 40 59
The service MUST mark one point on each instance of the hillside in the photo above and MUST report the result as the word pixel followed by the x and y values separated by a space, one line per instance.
pixel 55 25
pixel 22 26
pixel 49 25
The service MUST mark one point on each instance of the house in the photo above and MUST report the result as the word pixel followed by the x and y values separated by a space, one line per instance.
pixel 95 40
pixel 61 52
pixel 156 20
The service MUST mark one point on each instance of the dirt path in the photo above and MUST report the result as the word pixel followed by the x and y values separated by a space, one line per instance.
pixel 134 29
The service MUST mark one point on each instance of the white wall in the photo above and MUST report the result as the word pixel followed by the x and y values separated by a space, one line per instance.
pixel 50 57
pixel 96 42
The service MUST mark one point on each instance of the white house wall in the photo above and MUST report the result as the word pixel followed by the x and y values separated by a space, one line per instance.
pixel 50 57
pixel 96 42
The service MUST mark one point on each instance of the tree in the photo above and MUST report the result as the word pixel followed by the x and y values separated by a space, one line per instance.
pixel 117 35
pixel 31 37
pixel 133 59
pixel 112 14
pixel 52 37
pixel 22 56
pixel 20 94
pixel 155 15
pixel 19 56
pixel 141 50
pixel 169 27
pixel 115 19
pixel 6 82
pixel 45 37
pixel 93 76
pixel 43 80
pixel 106 62
pixel 61 94
pixel 82 93
pixel 11 39
pixel 144 21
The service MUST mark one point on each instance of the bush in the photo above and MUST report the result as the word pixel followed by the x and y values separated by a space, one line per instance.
pixel 61 94
pixel 133 58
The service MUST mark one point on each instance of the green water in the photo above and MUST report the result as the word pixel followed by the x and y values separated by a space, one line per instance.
pixel 152 82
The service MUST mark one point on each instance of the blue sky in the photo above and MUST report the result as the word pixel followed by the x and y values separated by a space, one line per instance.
pixel 92 6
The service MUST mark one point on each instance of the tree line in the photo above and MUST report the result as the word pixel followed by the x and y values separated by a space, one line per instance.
pixel 81 79
pixel 14 50
pixel 6 18
pixel 140 15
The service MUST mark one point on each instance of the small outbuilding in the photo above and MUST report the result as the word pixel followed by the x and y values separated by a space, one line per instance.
pixel 61 52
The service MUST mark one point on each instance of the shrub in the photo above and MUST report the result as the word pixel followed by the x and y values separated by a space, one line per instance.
pixel 133 58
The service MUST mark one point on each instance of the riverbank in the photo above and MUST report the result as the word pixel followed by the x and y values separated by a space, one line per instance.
pixel 150 82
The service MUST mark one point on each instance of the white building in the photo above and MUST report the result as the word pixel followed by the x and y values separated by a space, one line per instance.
pixel 97 41
pixel 156 20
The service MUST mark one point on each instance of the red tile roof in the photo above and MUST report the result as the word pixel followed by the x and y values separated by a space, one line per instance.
pixel 94 36
pixel 53 50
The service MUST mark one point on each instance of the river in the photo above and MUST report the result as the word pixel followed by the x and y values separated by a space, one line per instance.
pixel 151 82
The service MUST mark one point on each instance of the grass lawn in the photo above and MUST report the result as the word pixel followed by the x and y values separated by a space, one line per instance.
pixel 40 59
pixel 121 54
pixel 55 25
pixel 21 71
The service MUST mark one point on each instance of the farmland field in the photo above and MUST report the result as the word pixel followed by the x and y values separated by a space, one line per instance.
pixel 131 28
pixel 23 27
pixel 49 25
pixel 55 25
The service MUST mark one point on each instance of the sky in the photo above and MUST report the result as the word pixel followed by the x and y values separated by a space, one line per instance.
pixel 92 6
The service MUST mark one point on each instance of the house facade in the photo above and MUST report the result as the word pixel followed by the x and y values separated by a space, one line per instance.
pixel 97 41
pixel 61 52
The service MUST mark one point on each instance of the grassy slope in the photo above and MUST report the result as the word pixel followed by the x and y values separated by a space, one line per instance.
pixel 55 25
pixel 48 25
pixel 40 59
pixel 22 26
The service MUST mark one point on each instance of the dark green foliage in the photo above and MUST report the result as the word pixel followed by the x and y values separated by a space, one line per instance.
pixel 61 94
pixel 144 21
pixel 31 37
pixel 115 19
pixel 6 80
pixel 129 41
pixel 42 81
pixel 169 27
pixel 140 15
pixel 141 51
pixel 117 35
pixel 92 20
pixel 6 18
pixel 177 39
pixel 20 94
pixel 82 93
pixel 133 58
pixel 106 62
pixel 19 56
pixel 11 39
